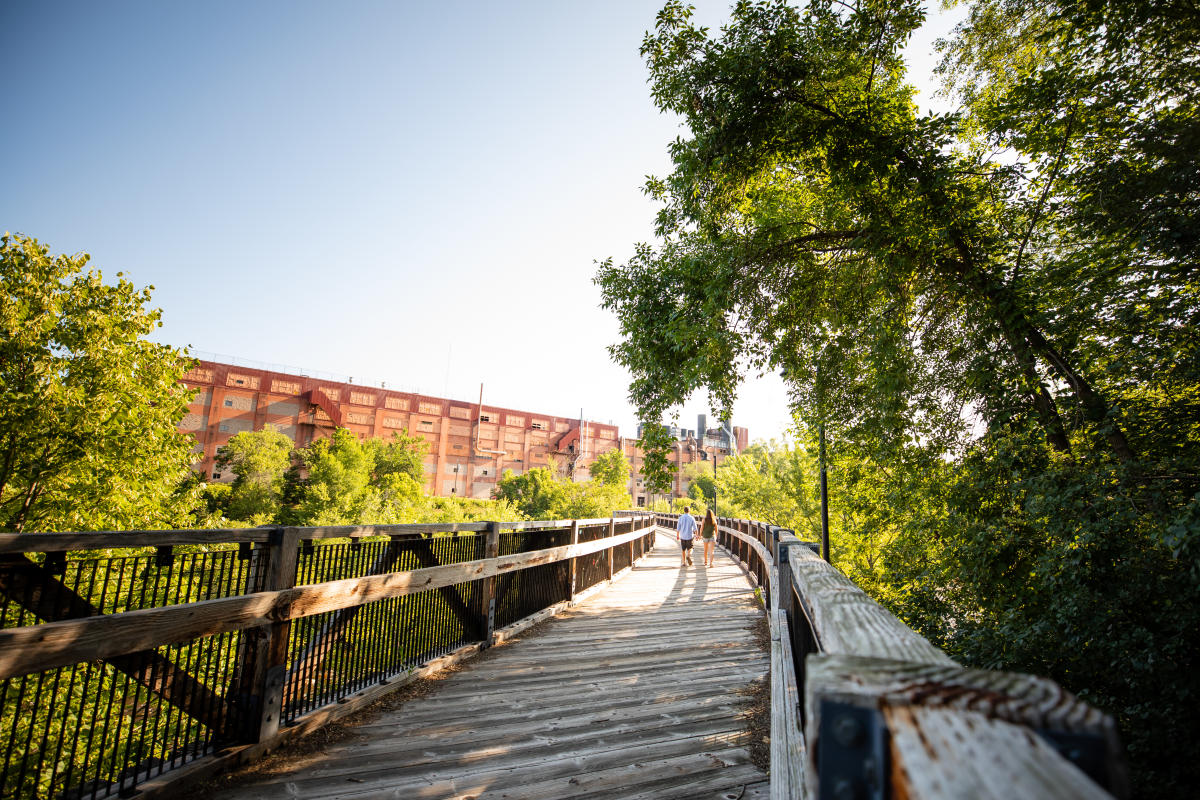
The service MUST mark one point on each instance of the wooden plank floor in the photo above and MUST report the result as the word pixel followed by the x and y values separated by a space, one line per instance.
pixel 634 693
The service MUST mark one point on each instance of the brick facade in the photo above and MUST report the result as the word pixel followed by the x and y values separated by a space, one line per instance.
pixel 469 446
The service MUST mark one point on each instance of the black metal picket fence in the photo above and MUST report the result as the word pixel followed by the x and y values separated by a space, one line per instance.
pixel 126 655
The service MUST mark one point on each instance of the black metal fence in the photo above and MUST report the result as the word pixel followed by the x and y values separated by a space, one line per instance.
pixel 99 727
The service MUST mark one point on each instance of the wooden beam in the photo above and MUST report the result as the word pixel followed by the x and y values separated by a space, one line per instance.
pixel 612 533
pixel 981 723
pixel 487 593
pixel 271 670
pixel 31 586
pixel 750 541
pixel 102 540
pixel 574 540
pixel 421 548
pixel 40 647
pixel 848 622
pixel 787 738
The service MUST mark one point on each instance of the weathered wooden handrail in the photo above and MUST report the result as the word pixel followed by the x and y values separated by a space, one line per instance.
pixel 56 644
pixel 97 540
pixel 862 706
pixel 86 631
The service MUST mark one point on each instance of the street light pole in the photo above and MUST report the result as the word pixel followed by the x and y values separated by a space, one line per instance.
pixel 714 452
pixel 824 499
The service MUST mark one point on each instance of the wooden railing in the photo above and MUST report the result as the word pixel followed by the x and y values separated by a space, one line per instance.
pixel 863 707
pixel 129 659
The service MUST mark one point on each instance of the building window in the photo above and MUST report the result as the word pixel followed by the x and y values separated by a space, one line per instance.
pixel 216 476
pixel 233 379
pixel 538 425
pixel 201 375
pixel 228 403
pixel 485 472
pixel 485 417
pixel 426 425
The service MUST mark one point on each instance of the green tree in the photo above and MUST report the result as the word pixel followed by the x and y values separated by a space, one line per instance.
pixel 89 407
pixel 700 481
pixel 541 494
pixel 259 460
pixel 611 468
pixel 534 493
pixel 351 482
pixel 400 455
pixel 815 224
pixel 681 504
pixel 774 483
pixel 466 509
pixel 1003 349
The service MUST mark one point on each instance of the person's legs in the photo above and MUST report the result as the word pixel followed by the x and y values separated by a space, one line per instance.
pixel 683 551
pixel 709 546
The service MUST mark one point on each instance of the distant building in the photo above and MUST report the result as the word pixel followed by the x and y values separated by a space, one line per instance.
pixel 470 445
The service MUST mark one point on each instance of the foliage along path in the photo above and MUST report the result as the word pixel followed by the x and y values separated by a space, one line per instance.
pixel 641 690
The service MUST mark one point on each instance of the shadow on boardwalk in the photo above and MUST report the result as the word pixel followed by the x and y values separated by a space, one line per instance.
pixel 640 691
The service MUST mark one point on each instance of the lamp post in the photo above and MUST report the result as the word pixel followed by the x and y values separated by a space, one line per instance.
pixel 714 459
pixel 824 499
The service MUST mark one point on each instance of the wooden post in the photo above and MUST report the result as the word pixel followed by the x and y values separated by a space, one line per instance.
pixel 488 591
pixel 574 559
pixel 612 531
pixel 270 672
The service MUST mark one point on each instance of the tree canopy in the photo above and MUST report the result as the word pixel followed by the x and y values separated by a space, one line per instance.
pixel 542 493
pixel 88 405
pixel 259 460
pixel 994 313
pixel 338 480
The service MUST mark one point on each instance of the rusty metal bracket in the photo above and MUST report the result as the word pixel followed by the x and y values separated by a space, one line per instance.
pixel 852 753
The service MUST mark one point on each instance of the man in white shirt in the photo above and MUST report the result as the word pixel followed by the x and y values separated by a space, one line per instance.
pixel 685 532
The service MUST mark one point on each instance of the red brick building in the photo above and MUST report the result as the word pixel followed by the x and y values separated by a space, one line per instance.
pixel 470 445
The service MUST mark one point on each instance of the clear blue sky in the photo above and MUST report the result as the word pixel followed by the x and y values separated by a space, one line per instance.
pixel 409 192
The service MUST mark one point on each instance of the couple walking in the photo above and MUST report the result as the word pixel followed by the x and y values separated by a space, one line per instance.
pixel 685 532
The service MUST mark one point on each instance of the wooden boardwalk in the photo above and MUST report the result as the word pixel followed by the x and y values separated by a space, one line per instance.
pixel 637 692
